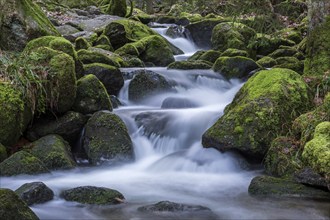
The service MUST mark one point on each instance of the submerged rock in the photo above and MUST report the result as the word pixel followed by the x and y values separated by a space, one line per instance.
pixel 188 65
pixel 13 208
pixel 267 186
pixel 22 162
pixel 93 195
pixel 167 206
pixel 309 177
pixel 176 102
pixel 34 193
pixel 106 138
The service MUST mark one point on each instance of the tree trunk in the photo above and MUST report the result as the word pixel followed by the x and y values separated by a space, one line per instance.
pixel 149 6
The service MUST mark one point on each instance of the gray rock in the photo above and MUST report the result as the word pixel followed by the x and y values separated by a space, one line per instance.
pixel 167 206
pixel 34 193
pixel 309 177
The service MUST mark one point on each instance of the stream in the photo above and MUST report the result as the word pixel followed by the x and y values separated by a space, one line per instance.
pixel 170 162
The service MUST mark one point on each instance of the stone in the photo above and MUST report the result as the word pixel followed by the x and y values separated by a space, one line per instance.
pixel 34 193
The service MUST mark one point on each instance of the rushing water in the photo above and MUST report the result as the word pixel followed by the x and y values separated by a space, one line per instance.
pixel 170 162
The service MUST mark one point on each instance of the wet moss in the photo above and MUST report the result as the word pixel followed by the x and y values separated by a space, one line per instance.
pixel 94 56
pixel 188 65
pixel 267 62
pixel 230 52
pixel 82 43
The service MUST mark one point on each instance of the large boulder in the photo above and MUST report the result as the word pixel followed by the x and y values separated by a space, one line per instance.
pixel 22 162
pixel 106 138
pixel 153 49
pixel 257 114
pixel 235 67
pixel 54 152
pixel 231 35
pixel 91 96
pixel 93 195
pixel 98 55
pixel 145 83
pixel 12 207
pixel 34 193
pixel 20 22
pixel 267 186
pixel 188 65
pixel 68 126
pixel 11 113
pixel 110 76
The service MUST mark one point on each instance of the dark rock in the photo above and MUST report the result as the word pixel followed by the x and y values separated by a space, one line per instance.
pixel 115 101
pixel 13 208
pixel 67 126
pixel 167 206
pixel 175 32
pixel 309 177
pixel 93 195
pixel 174 102
pixel 267 186
pixel 153 122
pixel 34 193
pixel 106 138
pixel 145 83
pixel 188 65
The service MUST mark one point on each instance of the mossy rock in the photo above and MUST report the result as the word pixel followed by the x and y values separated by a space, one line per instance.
pixel 96 56
pixel 267 186
pixel 68 126
pixel 191 17
pixel 267 62
pixel 231 52
pixel 54 152
pixel 153 49
pixel 293 34
pixel 121 32
pixel 11 114
pixel 317 151
pixel 292 9
pixel 166 19
pixel 188 65
pixel 93 195
pixel 146 83
pixel 266 44
pixel 304 126
pixel 283 157
pixel 209 56
pixel 290 63
pixel 12 207
pixel 235 67
pixel 3 153
pixel 81 43
pixel 22 162
pixel 117 7
pixel 35 193
pixel 20 22
pixel 318 50
pixel 231 35
pixel 283 52
pixel 257 114
pixel 197 55
pixel 110 76
pixel 91 96
pixel 106 139
pixel 104 41
pixel 167 206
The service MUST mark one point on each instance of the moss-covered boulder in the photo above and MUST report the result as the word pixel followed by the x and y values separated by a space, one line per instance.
pixel 266 44
pixel 106 138
pixel 54 152
pixel 145 83
pixel 81 43
pixel 209 56
pixel 188 65
pixel 3 153
pixel 231 35
pixel 235 67
pixel 22 162
pixel 231 52
pixel 20 22
pixel 283 52
pixel 91 96
pixel 12 207
pixel 283 157
pixel 11 113
pixel 110 76
pixel 310 177
pixel 153 49
pixel 267 62
pixel 93 195
pixel 267 186
pixel 317 151
pixel 117 7
pixel 68 126
pixel 167 206
pixel 318 49
pixel 97 56
pixel 290 63
pixel 257 114
pixel 35 193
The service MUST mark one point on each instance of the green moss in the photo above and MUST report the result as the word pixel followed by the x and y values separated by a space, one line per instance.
pixel 12 207
pixel 191 17
pixel 82 43
pixel 209 56
pixel 11 113
pixel 267 62
pixel 231 52
pixel 290 63
pixel 260 99
pixel 317 151
pixel 3 153
pixel 188 65
pixel 91 96
pixel 117 7
pixel 22 162
pixel 103 40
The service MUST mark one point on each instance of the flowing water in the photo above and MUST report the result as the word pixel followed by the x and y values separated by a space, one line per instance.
pixel 171 163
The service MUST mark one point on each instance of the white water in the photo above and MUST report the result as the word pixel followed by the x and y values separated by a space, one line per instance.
pixel 172 166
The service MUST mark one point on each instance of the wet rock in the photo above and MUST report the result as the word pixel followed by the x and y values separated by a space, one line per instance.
pixel 188 65
pixel 91 96
pixel 167 206
pixel 110 76
pixel 93 195
pixel 97 55
pixel 308 176
pixel 175 32
pixel 22 162
pixel 267 186
pixel 174 102
pixel 153 122
pixel 34 193
pixel 106 139
pixel 54 152
pixel 231 52
pixel 3 153
pixel 12 207
pixel 67 126
pixel 145 83
pixel 115 101
pixel 267 62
